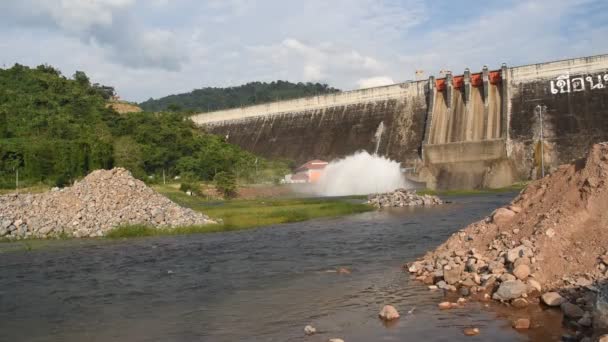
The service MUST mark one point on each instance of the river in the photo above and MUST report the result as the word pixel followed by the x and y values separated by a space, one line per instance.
pixel 257 285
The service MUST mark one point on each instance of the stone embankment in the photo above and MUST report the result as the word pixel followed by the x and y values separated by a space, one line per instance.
pixel 103 200
pixel 549 246
pixel 402 198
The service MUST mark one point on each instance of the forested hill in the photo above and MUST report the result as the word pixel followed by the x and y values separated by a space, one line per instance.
pixel 55 129
pixel 210 99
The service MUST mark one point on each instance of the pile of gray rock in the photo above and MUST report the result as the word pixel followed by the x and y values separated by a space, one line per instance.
pixel 103 200
pixel 402 198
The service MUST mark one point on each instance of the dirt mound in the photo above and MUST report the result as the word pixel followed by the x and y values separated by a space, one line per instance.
pixel 124 107
pixel 101 201
pixel 554 235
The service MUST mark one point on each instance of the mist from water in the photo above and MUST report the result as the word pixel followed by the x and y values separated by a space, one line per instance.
pixel 360 174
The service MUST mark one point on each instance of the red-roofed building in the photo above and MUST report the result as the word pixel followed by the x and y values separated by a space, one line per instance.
pixel 310 172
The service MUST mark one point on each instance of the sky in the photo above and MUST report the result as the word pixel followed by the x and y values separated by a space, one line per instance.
pixel 153 48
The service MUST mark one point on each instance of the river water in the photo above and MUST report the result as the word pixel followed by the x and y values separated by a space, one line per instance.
pixel 258 285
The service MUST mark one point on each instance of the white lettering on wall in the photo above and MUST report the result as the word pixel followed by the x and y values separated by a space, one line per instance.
pixel 564 84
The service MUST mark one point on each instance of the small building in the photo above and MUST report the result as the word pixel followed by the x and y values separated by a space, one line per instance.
pixel 310 172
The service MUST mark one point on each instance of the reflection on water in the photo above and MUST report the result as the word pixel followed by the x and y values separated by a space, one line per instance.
pixel 259 285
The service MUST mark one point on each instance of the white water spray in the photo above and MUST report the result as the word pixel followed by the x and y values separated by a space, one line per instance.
pixel 378 136
pixel 360 174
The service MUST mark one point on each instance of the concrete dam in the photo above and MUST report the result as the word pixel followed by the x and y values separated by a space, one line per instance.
pixel 473 130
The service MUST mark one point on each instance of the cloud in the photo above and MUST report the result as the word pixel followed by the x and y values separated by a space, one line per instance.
pixel 315 62
pixel 108 24
pixel 377 81
pixel 152 48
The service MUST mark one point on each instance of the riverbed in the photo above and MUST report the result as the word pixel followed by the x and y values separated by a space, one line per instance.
pixel 258 285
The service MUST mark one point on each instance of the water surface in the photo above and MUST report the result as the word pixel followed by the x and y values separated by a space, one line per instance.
pixel 257 285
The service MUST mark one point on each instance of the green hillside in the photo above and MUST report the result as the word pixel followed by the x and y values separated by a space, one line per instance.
pixel 210 99
pixel 55 129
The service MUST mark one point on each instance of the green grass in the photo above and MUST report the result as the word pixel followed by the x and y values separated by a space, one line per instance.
pixel 33 189
pixel 244 214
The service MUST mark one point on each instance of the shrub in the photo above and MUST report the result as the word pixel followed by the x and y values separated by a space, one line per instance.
pixel 225 183
pixel 192 187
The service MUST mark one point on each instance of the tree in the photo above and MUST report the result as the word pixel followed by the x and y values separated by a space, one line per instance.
pixel 225 183
pixel 81 78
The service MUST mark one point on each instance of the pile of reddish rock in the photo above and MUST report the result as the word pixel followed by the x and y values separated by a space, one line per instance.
pixel 548 247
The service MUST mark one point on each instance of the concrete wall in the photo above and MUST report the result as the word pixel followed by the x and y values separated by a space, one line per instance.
pixel 575 93
pixel 331 126
pixel 307 104
pixel 463 136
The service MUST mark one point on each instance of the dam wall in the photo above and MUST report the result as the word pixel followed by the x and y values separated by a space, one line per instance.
pixel 473 130
pixel 386 120
pixel 574 97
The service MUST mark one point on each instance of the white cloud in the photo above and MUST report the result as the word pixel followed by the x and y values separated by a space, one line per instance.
pixel 377 81
pixel 153 48
pixel 108 24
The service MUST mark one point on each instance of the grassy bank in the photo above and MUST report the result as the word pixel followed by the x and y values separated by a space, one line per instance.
pixel 244 214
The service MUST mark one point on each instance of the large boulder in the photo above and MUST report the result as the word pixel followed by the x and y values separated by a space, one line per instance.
pixel 388 313
pixel 510 290
pixel 572 311
pixel 522 272
pixel 502 216
pixel 552 299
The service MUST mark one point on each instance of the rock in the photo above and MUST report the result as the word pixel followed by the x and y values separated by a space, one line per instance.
pixel 402 198
pixel 519 252
pixel 445 305
pixel 603 338
pixel 471 331
pixel 452 276
pixel 552 299
pixel 496 267
pixel 507 277
pixel 583 282
pixel 309 330
pixel 343 270
pixel 586 320
pixel 550 232
pixel 335 340
pixel 515 209
pixel 93 206
pixel 510 290
pixel 535 284
pixel 522 272
pixel 572 311
pixel 521 323
pixel 388 313
pixel 502 216
pixel 519 303
pixel 521 261
pixel 7 223
pixel 469 282
pixel 442 285
pixel 433 287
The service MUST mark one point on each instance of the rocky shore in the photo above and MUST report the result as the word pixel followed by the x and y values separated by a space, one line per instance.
pixel 103 200
pixel 548 247
pixel 402 198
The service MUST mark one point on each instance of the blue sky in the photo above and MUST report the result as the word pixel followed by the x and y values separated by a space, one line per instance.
pixel 152 48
